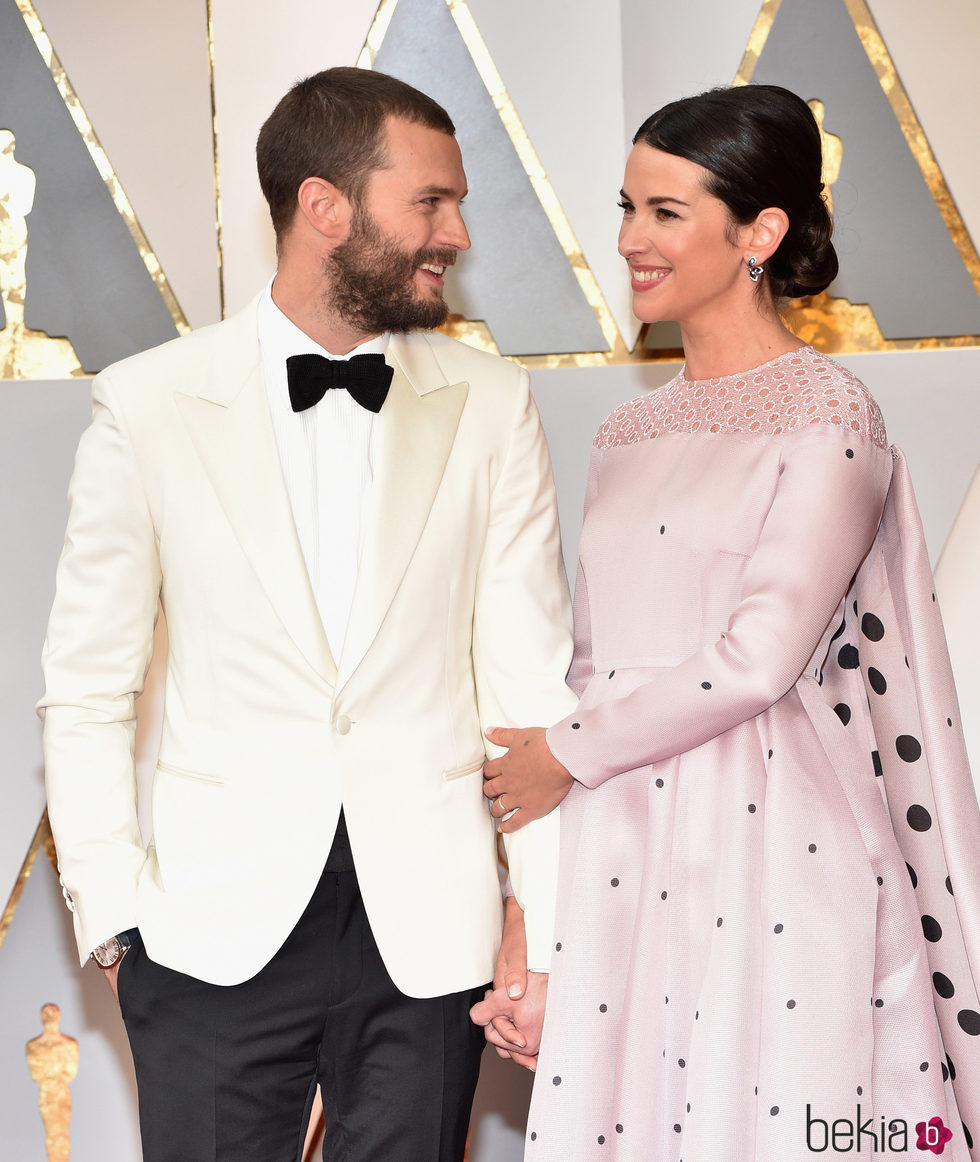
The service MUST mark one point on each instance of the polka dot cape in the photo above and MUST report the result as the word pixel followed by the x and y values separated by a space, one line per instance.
pixel 769 894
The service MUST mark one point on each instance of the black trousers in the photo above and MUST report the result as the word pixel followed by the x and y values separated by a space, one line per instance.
pixel 228 1074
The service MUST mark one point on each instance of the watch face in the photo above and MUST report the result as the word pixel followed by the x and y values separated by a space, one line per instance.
pixel 107 954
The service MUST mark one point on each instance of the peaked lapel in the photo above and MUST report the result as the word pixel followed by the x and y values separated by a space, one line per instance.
pixel 419 422
pixel 228 422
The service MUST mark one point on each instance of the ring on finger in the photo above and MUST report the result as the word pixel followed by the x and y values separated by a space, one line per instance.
pixel 500 803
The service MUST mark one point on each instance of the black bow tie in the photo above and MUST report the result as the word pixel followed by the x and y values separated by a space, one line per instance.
pixel 310 377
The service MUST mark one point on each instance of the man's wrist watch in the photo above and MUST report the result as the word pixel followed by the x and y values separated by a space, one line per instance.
pixel 109 954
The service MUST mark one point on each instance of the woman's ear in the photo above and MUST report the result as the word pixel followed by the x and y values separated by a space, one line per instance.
pixel 763 236
pixel 324 208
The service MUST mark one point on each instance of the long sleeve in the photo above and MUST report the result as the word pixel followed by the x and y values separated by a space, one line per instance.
pixel 828 501
pixel 96 654
pixel 522 643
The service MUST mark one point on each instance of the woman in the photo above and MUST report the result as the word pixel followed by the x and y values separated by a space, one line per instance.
pixel 751 946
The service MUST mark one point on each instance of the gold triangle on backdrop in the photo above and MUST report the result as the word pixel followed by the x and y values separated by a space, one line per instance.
pixel 475 332
pixel 834 324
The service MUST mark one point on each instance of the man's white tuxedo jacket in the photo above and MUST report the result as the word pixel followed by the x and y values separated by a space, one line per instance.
pixel 460 621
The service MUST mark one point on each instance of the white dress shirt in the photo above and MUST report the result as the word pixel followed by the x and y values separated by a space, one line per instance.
pixel 327 455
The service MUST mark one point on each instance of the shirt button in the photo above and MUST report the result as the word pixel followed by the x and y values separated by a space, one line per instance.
pixel 343 724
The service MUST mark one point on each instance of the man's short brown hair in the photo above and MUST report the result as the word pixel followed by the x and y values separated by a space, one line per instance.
pixel 332 126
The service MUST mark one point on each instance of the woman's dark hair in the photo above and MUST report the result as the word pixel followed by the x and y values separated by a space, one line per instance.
pixel 761 147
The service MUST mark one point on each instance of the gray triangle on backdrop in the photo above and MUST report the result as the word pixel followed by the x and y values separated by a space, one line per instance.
pixel 516 277
pixel 86 278
pixel 896 253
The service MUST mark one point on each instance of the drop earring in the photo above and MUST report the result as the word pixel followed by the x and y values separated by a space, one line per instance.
pixel 755 270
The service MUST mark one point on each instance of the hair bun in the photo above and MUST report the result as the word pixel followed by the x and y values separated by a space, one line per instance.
pixel 806 261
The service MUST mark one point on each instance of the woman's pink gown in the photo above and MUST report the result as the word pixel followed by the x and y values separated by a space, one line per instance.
pixel 756 931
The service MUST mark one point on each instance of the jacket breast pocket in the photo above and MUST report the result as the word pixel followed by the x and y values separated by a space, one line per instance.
pixel 469 768
pixel 194 776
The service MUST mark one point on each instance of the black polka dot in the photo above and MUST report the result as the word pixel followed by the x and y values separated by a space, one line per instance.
pixel 918 818
pixel 663 895
pixel 912 876
pixel 677 1127
pixel 534 1136
pixel 854 606
pixel 611 672
pixel 879 1003
pixel 603 1008
pixel 812 848
pixel 660 782
pixel 619 1128
pixel 705 685
pixel 688 1107
pixel 614 882
pixel 872 628
pixel 876 763
pixel 949 722
pixel 877 680
pixel 576 726
pixel 952 1067
pixel 751 808
pixel 967 1135
pixel 791 1004
pixel 924 1067
pixel 860 1090
pixel 558 946
pixel 770 753
pixel 849 453
pixel 934 597
pixel 778 929
pixel 943 985
pixel 556 1080
pixel 969 1021
pixel 601 1139
pixel 697 1013
pixel 843 712
pixel 774 1110
pixel 949 886
pixel 847 657
pixel 942 1066
pixel 908 748
pixel 663 529
pixel 719 922
pixel 840 629
pixel 880 881
pixel 681 1062
pixel 931 929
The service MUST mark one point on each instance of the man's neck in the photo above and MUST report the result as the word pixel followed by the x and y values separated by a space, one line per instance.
pixel 301 300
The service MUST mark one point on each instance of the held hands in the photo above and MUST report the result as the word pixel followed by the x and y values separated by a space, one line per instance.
pixel 528 778
pixel 512 1011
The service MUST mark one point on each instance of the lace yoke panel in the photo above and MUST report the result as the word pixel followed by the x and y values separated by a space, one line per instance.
pixel 780 397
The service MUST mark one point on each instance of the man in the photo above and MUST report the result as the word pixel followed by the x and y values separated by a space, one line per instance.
pixel 355 586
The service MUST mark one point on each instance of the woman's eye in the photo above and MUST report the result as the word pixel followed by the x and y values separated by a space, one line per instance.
pixel 663 214
pixel 626 207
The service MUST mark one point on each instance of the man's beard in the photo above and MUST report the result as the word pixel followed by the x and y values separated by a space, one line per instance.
pixel 372 281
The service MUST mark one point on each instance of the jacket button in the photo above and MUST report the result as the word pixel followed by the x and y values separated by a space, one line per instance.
pixel 343 724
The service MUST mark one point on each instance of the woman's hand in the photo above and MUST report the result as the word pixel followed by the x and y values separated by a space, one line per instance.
pixel 526 782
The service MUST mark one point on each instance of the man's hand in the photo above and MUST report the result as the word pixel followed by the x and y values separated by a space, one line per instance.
pixel 527 780
pixel 514 1027
pixel 111 973
pixel 511 971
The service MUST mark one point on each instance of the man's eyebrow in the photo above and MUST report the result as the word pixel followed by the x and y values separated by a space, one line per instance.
pixel 443 191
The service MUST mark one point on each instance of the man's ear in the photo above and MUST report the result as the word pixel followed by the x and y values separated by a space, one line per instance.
pixel 763 236
pixel 324 209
